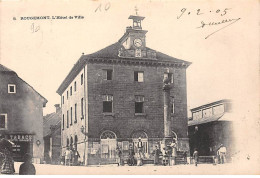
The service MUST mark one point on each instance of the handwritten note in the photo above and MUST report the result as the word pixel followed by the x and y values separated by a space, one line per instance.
pixel 205 24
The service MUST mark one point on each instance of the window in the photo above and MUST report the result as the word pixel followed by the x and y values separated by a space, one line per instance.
pixel 71 115
pixel 70 90
pixel 207 112
pixel 75 86
pixel 68 142
pixel 11 88
pixel 82 107
pixel 3 121
pixel 67 119
pixel 75 113
pixel 63 99
pixel 138 53
pixel 63 122
pixel 67 94
pixel 108 74
pixel 139 104
pixel 139 76
pixel 172 105
pixel 169 76
pixel 107 103
pixel 81 78
pixel 197 115
pixel 218 109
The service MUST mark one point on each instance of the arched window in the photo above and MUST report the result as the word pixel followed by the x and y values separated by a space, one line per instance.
pixel 108 135
pixel 138 134
pixel 108 144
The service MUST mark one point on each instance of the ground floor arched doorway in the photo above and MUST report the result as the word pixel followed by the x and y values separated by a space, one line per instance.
pixel 144 138
pixel 108 144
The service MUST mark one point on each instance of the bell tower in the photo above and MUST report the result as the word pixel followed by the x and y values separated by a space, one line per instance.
pixel 134 40
pixel 137 20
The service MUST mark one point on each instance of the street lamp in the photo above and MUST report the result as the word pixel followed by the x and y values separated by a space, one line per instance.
pixel 82 129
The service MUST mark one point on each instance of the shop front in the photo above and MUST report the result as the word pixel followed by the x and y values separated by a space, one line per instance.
pixel 23 143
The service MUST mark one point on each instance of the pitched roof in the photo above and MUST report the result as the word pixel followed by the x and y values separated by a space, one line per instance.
pixel 111 52
pixel 6 70
pixel 49 120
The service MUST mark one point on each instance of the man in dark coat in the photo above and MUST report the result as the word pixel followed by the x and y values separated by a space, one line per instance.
pixel 156 153
pixel 27 168
pixel 131 160
pixel 119 156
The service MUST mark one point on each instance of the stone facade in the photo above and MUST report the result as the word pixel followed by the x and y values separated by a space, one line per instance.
pixel 125 77
pixel 23 110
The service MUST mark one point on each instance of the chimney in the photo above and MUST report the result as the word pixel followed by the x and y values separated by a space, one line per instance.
pixel 57 106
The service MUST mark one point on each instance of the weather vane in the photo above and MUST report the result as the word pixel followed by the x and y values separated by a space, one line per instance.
pixel 136 10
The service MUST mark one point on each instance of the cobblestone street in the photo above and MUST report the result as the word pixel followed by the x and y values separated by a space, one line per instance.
pixel 46 169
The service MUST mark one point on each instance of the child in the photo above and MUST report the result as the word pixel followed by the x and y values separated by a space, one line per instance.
pixel 196 156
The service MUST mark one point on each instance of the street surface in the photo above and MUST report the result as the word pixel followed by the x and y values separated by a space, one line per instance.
pixel 46 169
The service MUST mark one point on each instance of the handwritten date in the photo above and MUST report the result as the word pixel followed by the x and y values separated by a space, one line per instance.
pixel 200 12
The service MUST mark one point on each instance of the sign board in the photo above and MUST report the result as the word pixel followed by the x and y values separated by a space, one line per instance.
pixel 21 137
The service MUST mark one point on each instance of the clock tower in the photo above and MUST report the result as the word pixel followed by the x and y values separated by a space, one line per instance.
pixel 133 41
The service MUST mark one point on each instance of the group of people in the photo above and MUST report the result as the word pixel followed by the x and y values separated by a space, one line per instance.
pixel 220 157
pixel 7 162
pixel 136 158
pixel 131 155
pixel 71 157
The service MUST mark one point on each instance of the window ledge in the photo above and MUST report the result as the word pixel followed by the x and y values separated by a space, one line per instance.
pixel 108 114
pixel 140 114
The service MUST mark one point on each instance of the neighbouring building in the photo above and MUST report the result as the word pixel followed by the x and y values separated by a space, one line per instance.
pixel 210 126
pixel 52 136
pixel 114 96
pixel 21 115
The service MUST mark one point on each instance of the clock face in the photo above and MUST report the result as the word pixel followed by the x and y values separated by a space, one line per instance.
pixel 138 42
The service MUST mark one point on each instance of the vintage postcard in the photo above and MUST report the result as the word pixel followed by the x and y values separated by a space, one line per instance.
pixel 129 87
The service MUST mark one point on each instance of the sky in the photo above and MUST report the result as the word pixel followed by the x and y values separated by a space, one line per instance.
pixel 224 66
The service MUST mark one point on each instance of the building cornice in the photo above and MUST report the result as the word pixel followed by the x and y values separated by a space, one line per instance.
pixel 139 61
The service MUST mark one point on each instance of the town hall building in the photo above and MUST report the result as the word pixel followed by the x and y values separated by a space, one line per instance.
pixel 114 96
